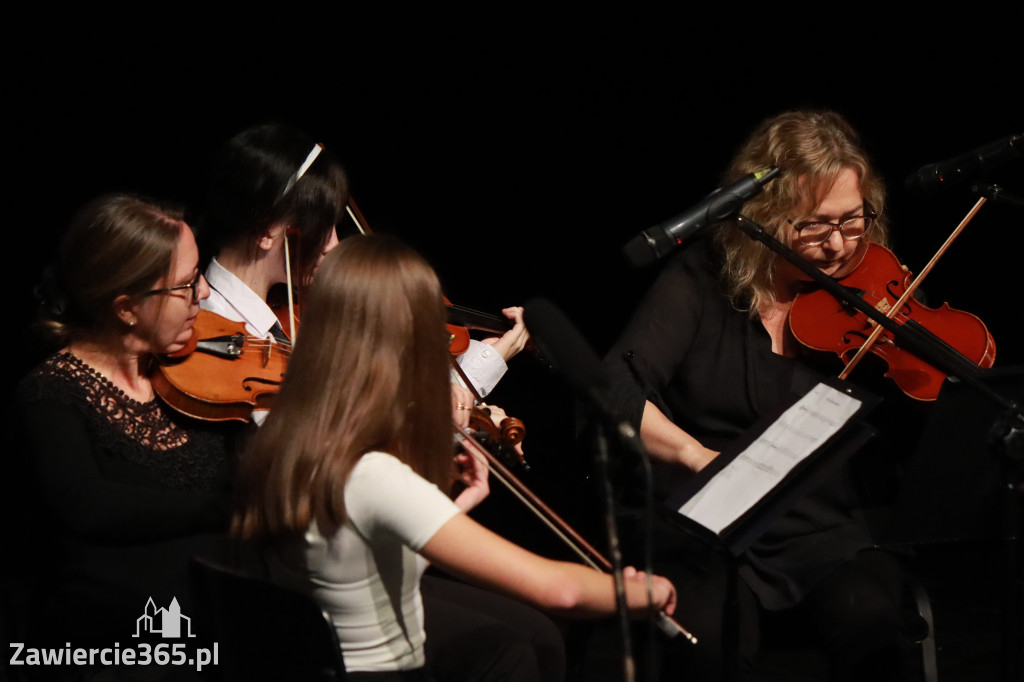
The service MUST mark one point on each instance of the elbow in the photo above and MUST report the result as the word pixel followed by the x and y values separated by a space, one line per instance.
pixel 563 596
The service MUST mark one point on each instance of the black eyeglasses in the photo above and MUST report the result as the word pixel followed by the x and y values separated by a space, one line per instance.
pixel 851 229
pixel 193 285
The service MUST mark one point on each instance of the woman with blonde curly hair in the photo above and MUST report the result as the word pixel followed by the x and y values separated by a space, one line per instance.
pixel 709 351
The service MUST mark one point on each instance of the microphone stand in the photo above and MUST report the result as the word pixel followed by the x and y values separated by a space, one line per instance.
pixel 603 464
pixel 998 194
pixel 1006 436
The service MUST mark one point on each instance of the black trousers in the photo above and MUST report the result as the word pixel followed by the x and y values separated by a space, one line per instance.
pixel 853 617
pixel 477 636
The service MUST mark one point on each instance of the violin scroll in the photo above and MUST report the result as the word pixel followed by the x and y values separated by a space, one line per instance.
pixel 501 439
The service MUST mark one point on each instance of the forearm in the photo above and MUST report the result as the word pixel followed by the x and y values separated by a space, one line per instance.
pixel 670 444
pixel 472 552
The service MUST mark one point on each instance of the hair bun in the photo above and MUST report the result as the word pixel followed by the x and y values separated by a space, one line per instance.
pixel 50 294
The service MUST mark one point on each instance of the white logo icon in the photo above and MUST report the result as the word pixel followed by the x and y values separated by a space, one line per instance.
pixel 167 622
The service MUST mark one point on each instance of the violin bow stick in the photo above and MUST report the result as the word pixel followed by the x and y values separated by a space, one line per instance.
pixel 573 540
pixel 357 216
pixel 588 555
pixel 310 158
pixel 870 341
pixel 288 287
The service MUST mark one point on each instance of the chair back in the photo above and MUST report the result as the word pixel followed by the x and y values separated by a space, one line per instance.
pixel 264 631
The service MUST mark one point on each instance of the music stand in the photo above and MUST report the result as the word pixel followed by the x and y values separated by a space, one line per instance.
pixel 755 507
pixel 777 491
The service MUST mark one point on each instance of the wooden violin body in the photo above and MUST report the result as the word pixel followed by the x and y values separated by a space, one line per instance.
pixel 461 320
pixel 819 321
pixel 223 374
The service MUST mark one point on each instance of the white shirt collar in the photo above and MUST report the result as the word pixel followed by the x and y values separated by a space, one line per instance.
pixel 233 299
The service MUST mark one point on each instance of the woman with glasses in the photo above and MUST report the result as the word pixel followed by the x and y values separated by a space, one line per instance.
pixel 126 489
pixel 708 351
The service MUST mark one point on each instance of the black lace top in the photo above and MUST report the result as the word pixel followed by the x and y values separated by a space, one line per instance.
pixel 177 453
pixel 121 495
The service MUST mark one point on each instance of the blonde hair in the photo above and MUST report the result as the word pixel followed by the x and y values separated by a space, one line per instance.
pixel 369 372
pixel 811 149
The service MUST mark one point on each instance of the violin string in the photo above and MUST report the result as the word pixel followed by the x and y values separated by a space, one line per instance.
pixel 892 313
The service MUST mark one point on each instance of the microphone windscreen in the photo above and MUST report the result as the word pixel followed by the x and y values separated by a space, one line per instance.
pixel 639 251
pixel 565 348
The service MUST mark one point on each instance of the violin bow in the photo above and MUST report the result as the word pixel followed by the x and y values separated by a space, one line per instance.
pixel 357 216
pixel 310 158
pixel 870 341
pixel 572 539
pixel 288 287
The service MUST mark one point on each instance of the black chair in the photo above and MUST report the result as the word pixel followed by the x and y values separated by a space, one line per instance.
pixel 264 631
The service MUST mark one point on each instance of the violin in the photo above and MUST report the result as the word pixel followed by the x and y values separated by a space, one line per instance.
pixel 222 374
pixel 501 439
pixel 290 326
pixel 820 321
pixel 461 320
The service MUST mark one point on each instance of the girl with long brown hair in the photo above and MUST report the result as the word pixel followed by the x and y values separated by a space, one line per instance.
pixel 270 181
pixel 341 481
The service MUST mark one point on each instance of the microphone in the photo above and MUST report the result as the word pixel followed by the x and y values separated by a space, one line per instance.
pixel 574 359
pixel 567 351
pixel 570 355
pixel 935 177
pixel 656 242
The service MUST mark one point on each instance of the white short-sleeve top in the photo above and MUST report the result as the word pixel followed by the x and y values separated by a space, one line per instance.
pixel 367 575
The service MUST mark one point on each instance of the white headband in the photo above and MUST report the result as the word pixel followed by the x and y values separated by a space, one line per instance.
pixel 315 152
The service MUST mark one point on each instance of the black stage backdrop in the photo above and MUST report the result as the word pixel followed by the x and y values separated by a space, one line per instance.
pixel 518 154
pixel 517 151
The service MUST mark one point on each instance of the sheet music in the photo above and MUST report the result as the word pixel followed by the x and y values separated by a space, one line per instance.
pixel 801 430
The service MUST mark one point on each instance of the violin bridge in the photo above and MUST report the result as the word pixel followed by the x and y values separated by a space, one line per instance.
pixel 883 307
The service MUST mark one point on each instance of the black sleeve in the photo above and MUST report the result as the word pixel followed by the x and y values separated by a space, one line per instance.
pixel 661 332
pixel 75 494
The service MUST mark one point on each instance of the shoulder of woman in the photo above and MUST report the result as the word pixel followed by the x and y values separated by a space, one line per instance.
pixel 48 379
pixel 375 468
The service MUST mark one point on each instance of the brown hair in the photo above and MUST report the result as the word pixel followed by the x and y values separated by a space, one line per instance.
pixel 116 245
pixel 811 148
pixel 369 372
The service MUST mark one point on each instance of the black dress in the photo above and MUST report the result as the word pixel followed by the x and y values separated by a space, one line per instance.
pixel 710 369
pixel 123 493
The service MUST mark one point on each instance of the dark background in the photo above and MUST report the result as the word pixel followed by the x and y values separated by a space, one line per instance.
pixel 519 151
pixel 520 156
